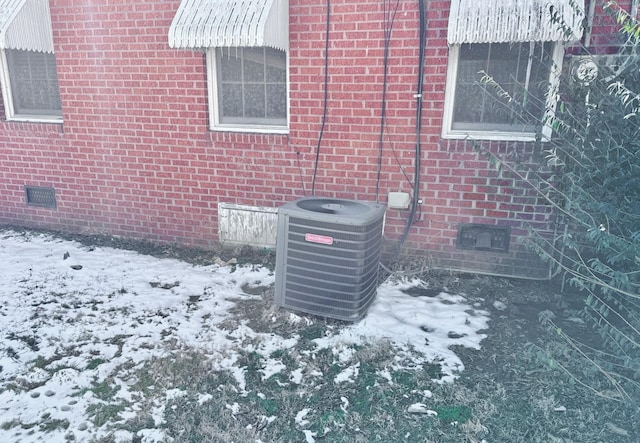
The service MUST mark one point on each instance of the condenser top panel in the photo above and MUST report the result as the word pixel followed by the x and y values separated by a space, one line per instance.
pixel 334 210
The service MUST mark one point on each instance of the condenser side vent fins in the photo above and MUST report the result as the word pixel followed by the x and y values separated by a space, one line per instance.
pixel 327 256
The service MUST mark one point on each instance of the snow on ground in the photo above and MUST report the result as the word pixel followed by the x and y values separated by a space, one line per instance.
pixel 91 311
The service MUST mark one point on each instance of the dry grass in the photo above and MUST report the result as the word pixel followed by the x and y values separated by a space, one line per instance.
pixel 505 394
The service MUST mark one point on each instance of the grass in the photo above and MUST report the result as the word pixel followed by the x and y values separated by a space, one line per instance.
pixel 48 424
pixel 370 404
pixel 508 392
pixel 95 363
pixel 102 414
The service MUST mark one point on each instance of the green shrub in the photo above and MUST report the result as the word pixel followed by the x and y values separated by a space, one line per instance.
pixel 590 174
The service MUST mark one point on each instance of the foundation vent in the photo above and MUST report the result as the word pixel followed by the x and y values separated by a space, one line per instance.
pixel 247 225
pixel 479 237
pixel 40 196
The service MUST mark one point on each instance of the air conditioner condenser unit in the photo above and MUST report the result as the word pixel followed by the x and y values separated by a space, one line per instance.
pixel 327 256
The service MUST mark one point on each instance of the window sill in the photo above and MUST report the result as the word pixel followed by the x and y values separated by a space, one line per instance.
pixel 251 129
pixel 35 119
pixel 492 136
pixel 34 126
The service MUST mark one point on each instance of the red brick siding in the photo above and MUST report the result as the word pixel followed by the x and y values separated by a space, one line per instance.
pixel 605 37
pixel 135 156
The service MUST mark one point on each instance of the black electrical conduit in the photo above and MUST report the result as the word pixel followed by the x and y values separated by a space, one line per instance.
pixel 418 96
pixel 389 19
pixel 326 94
pixel 418 149
pixel 414 203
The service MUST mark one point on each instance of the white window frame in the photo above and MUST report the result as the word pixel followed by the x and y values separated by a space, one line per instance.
pixel 214 109
pixel 447 122
pixel 7 96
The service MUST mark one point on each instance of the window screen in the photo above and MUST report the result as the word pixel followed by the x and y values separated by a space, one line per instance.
pixel 34 83
pixel 520 69
pixel 252 86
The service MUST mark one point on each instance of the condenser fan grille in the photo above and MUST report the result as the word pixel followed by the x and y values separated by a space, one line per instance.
pixel 333 206
pixel 327 264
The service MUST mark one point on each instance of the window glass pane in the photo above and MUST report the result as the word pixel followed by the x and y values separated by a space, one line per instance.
pixel 470 94
pixel 276 101
pixel 276 67
pixel 254 100
pixel 520 69
pixel 253 65
pixel 231 67
pixel 34 83
pixel 231 98
pixel 539 85
pixel 252 87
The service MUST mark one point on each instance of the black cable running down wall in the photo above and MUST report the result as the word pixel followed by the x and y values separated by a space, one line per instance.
pixel 389 19
pixel 418 151
pixel 326 88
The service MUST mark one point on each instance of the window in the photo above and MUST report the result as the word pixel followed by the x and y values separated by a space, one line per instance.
pixel 246 43
pixel 30 86
pixel 248 89
pixel 526 71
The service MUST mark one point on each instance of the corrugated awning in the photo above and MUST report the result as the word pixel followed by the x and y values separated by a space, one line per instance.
pixel 501 21
pixel 26 25
pixel 231 23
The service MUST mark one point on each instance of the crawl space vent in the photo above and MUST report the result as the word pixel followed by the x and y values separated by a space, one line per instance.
pixel 479 237
pixel 40 196
pixel 327 256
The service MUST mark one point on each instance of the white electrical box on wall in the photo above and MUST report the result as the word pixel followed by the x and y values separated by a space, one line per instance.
pixel 398 200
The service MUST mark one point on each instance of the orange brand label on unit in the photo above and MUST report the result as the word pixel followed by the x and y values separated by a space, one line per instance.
pixel 315 238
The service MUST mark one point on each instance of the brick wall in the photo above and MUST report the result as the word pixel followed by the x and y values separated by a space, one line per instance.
pixel 135 158
pixel 604 29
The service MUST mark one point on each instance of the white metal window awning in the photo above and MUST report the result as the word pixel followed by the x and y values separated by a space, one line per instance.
pixel 26 25
pixel 502 21
pixel 231 23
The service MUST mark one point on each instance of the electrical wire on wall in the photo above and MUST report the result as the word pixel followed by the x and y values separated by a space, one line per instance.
pixel 304 190
pixel 389 19
pixel 326 94
pixel 418 148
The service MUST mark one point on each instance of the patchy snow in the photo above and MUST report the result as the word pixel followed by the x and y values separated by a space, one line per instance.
pixel 345 403
pixel 203 398
pixel 429 325
pixel 234 408
pixel 273 366
pixel 74 316
pixel 348 374
pixel 309 436
pixel 300 417
pixel 296 376
pixel 420 408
